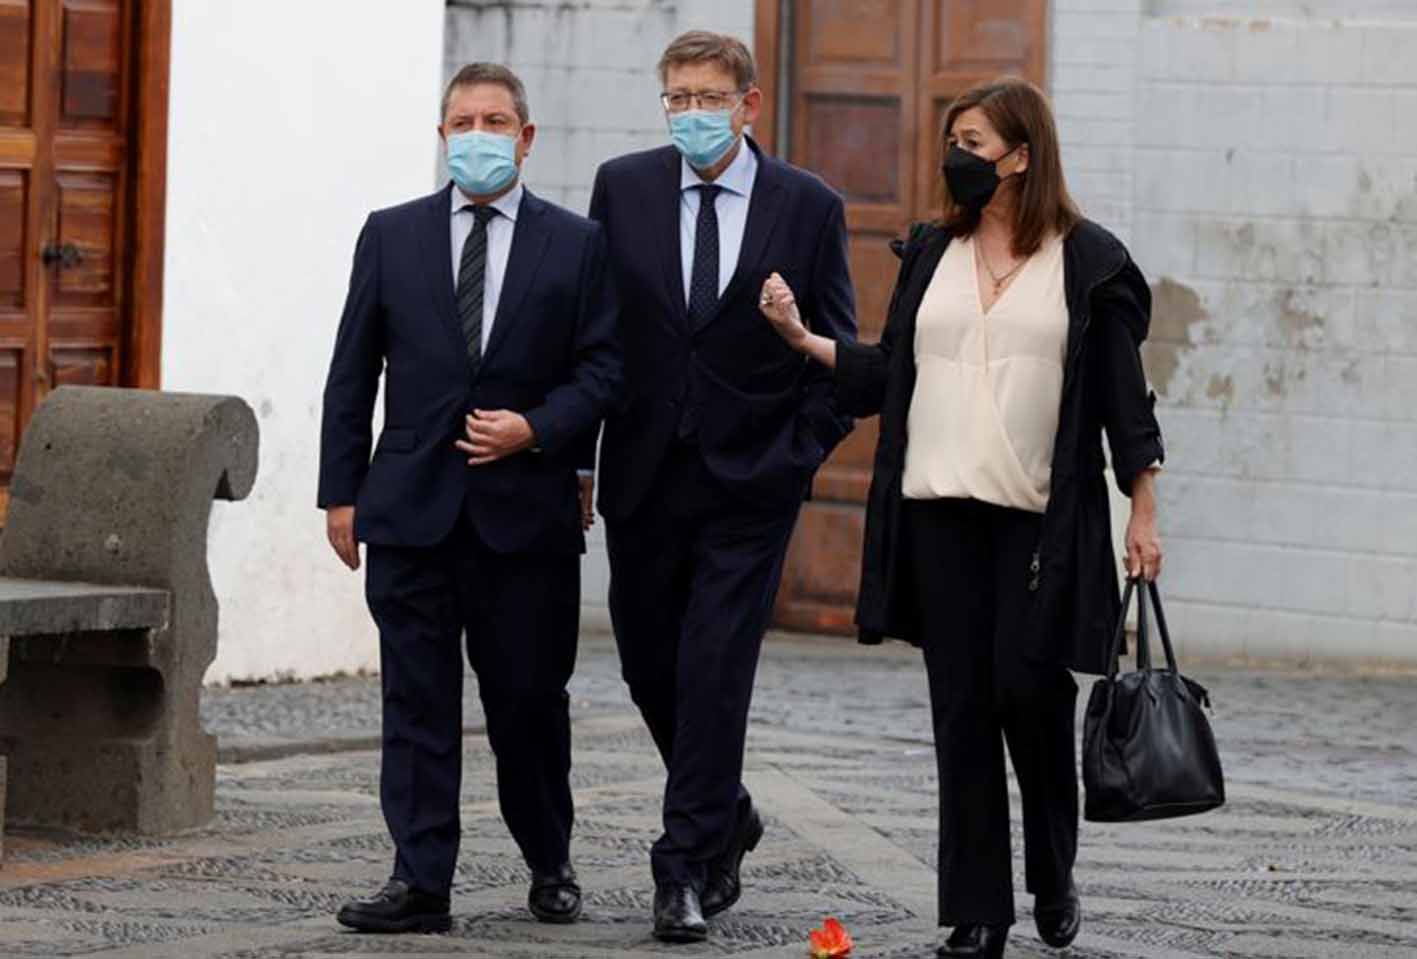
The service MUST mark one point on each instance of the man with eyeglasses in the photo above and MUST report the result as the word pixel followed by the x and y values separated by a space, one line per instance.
pixel 705 464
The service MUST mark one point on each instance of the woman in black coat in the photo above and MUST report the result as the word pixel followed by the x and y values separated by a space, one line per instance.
pixel 1011 344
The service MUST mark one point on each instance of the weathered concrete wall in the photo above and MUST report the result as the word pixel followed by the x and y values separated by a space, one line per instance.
pixel 1275 206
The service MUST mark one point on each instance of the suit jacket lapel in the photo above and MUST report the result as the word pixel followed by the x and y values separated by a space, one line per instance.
pixel 436 242
pixel 764 207
pixel 529 240
pixel 666 237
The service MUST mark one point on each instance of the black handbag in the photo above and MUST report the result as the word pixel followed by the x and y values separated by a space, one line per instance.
pixel 1148 750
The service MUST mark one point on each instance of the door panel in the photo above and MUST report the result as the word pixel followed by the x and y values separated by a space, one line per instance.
pixel 14 198
pixel 870 83
pixel 92 64
pixel 14 63
pixel 11 362
pixel 66 155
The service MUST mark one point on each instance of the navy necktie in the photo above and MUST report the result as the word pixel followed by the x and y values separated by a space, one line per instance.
pixel 472 281
pixel 703 282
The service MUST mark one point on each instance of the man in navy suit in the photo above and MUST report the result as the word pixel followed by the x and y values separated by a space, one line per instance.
pixel 705 463
pixel 491 315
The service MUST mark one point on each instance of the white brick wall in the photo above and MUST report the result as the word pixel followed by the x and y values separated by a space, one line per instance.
pixel 1093 56
pixel 1275 192
pixel 589 69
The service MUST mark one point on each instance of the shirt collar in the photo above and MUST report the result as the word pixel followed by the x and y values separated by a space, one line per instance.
pixel 738 178
pixel 507 204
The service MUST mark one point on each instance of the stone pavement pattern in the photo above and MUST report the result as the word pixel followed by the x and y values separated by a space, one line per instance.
pixel 1315 856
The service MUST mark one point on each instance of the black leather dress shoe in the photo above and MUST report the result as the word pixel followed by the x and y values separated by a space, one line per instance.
pixel 397 907
pixel 1059 920
pixel 555 896
pixel 678 917
pixel 724 882
pixel 975 942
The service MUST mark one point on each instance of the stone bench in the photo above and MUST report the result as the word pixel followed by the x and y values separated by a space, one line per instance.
pixel 108 621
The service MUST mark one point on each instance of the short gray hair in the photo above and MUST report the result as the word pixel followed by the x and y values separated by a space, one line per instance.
pixel 495 73
pixel 702 46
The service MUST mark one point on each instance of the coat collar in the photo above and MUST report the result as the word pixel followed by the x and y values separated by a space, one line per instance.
pixel 529 242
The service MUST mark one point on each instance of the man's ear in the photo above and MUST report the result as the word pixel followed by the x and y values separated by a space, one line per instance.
pixel 752 105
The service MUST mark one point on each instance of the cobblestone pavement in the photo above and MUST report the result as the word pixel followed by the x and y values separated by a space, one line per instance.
pixel 1315 855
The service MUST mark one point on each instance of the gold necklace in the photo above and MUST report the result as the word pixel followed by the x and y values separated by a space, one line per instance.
pixel 999 281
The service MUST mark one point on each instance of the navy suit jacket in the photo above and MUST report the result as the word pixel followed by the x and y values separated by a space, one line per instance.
pixel 552 356
pixel 765 415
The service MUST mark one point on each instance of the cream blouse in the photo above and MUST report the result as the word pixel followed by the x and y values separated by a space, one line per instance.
pixel 988 386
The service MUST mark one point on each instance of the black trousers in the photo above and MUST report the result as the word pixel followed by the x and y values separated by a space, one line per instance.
pixel 970 563
pixel 520 614
pixel 693 576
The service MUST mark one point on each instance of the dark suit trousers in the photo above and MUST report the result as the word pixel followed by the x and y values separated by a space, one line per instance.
pixel 520 614
pixel 970 567
pixel 693 575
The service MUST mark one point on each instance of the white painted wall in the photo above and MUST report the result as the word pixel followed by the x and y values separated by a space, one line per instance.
pixel 288 123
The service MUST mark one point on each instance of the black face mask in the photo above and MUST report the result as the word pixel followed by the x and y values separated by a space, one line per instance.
pixel 972 180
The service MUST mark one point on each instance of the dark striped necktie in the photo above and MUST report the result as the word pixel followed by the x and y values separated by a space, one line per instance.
pixel 472 282
pixel 703 279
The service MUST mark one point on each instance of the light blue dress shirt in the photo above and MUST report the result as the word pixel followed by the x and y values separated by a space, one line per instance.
pixel 731 205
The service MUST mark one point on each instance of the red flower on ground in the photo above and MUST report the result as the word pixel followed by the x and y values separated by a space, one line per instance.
pixel 832 941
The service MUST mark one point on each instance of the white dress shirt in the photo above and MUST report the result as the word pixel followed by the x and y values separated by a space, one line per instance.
pixel 731 206
pixel 499 247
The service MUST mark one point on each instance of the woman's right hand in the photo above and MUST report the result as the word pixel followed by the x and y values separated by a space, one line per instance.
pixel 779 305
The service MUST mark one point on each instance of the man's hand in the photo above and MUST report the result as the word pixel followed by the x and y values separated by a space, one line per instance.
pixel 339 527
pixel 494 434
pixel 587 501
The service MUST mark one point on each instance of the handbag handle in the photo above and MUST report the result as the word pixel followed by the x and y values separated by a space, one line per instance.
pixel 1161 627
pixel 1114 652
pixel 1114 656
pixel 1143 633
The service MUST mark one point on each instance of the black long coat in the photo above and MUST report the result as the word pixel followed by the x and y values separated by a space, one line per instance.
pixel 1074 594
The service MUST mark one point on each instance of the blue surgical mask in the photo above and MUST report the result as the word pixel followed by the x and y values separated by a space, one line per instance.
pixel 482 163
pixel 703 137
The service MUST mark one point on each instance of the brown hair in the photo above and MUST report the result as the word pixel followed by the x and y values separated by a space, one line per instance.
pixel 701 46
pixel 475 73
pixel 1019 111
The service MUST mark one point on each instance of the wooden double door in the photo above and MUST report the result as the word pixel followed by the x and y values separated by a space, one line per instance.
pixel 867 86
pixel 83 107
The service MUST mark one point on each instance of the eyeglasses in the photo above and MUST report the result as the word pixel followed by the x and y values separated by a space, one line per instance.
pixel 678 101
